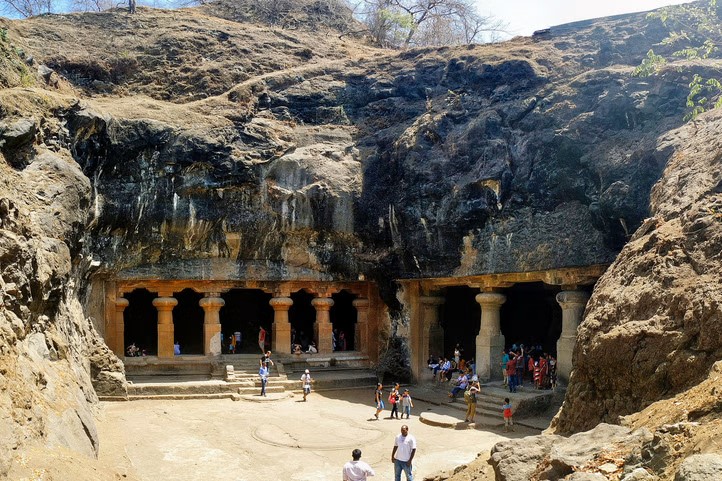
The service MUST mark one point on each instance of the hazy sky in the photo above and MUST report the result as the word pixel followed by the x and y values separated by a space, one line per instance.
pixel 525 16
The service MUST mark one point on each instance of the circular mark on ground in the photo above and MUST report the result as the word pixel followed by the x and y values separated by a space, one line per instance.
pixel 318 434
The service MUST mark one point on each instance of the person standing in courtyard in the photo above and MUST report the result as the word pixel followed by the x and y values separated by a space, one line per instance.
pixel 378 399
pixel 403 454
pixel 356 470
pixel 306 380
pixel 507 411
pixel 406 404
pixel 263 373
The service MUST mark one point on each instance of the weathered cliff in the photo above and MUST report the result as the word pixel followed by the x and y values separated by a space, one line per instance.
pixel 658 306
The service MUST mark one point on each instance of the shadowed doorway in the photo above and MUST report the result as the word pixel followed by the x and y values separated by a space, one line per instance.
pixel 141 322
pixel 245 311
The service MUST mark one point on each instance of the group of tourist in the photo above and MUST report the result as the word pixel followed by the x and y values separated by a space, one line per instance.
pixel 396 399
pixel 443 369
pixel 534 364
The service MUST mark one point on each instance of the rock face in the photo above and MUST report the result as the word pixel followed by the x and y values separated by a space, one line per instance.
pixel 211 149
pixel 658 306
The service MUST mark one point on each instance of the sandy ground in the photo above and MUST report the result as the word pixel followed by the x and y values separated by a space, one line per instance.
pixel 282 440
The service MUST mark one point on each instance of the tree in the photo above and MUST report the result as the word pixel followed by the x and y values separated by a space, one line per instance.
pixel 26 8
pixel 695 33
pixel 405 23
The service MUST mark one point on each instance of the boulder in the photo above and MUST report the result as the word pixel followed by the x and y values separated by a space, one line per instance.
pixel 700 467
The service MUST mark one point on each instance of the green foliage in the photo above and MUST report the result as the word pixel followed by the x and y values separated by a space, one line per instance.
pixel 695 32
pixel 702 95
pixel 649 65
pixel 4 34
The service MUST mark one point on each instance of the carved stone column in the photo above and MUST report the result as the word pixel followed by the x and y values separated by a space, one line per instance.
pixel 212 323
pixel 490 341
pixel 323 329
pixel 118 344
pixel 432 334
pixel 281 330
pixel 165 307
pixel 573 304
pixel 361 335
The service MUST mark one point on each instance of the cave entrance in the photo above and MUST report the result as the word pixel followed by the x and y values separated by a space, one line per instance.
pixel 188 318
pixel 245 312
pixel 302 316
pixel 531 316
pixel 343 318
pixel 141 322
pixel 460 318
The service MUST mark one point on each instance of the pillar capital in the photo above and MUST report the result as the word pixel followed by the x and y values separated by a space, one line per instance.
pixel 361 303
pixel 572 298
pixel 281 303
pixel 432 300
pixel 322 303
pixel 490 299
pixel 121 303
pixel 211 303
pixel 165 303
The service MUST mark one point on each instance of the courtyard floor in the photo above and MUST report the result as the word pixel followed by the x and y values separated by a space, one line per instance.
pixel 283 440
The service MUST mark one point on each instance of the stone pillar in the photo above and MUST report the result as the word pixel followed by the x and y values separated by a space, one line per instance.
pixel 165 307
pixel 573 304
pixel 212 324
pixel 490 341
pixel 361 335
pixel 432 334
pixel 281 330
pixel 118 344
pixel 323 329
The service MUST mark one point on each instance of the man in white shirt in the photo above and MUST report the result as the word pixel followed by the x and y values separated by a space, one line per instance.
pixel 403 454
pixel 356 470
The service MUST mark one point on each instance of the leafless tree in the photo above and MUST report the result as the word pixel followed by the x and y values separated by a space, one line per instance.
pixel 27 8
pixel 404 23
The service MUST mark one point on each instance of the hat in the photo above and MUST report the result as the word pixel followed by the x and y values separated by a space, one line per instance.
pixel 306 371
pixel 475 378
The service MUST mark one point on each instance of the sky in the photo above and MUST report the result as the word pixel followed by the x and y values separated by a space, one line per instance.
pixel 526 16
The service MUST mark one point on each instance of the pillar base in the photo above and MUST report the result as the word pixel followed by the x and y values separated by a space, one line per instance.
pixel 165 340
pixel 212 339
pixel 436 341
pixel 488 356
pixel 323 332
pixel 281 337
pixel 565 351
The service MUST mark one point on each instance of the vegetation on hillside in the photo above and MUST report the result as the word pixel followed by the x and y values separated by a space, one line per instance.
pixel 695 33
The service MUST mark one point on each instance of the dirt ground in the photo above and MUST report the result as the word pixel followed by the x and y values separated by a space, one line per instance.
pixel 284 440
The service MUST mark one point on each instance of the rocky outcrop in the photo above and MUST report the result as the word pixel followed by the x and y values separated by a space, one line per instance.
pixel 658 306
pixel 49 350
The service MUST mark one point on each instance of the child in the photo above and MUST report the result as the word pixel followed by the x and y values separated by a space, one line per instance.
pixel 508 422
pixel 406 404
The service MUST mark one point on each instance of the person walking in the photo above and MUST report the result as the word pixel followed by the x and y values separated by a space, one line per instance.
pixel 306 380
pixel 394 400
pixel 356 470
pixel 403 454
pixel 406 404
pixel 378 399
pixel 263 373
